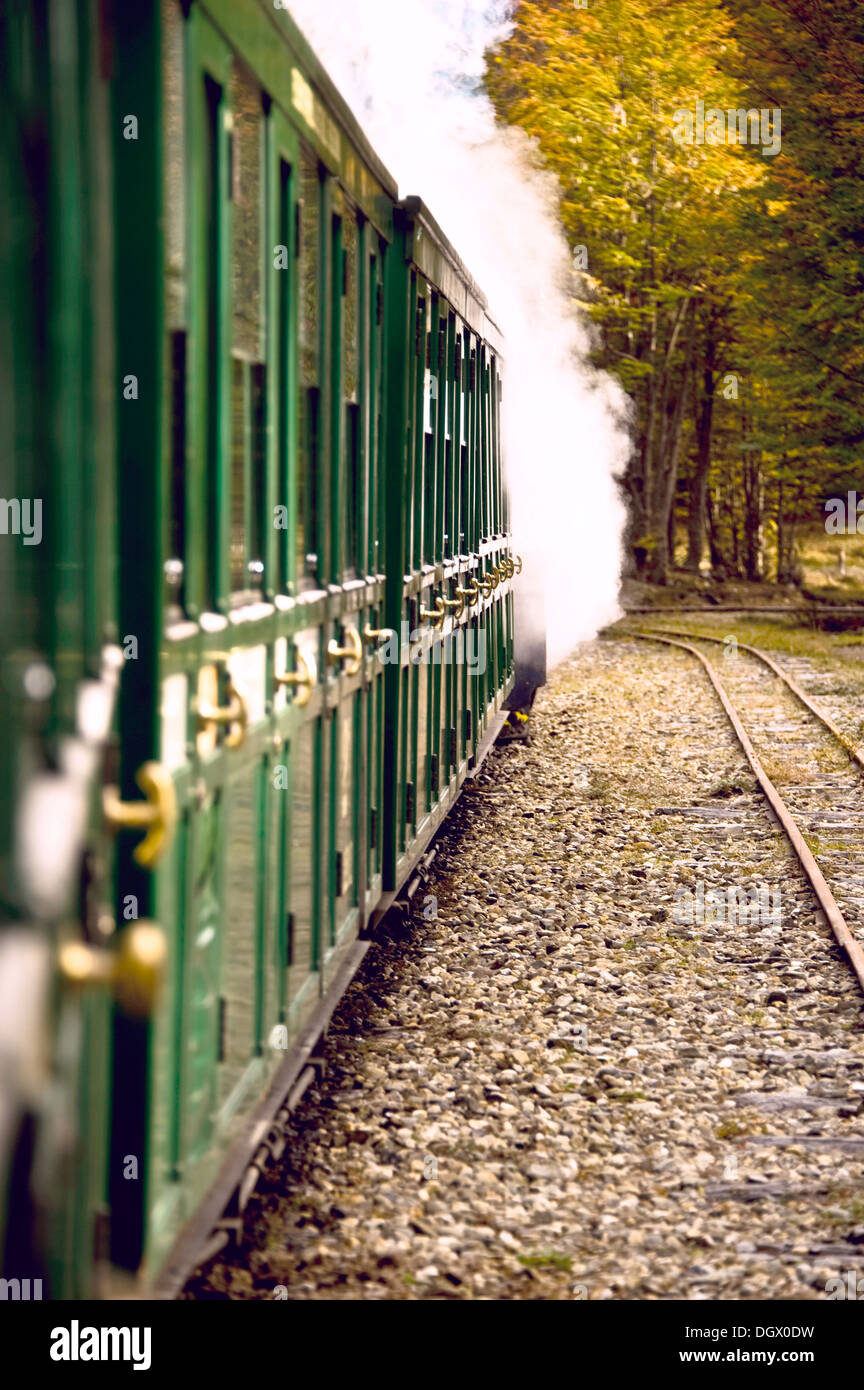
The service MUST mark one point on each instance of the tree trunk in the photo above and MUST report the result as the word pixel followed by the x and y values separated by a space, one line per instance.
pixel 666 456
pixel 715 550
pixel 699 482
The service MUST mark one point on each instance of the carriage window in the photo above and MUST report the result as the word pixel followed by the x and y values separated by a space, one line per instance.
pixel 336 459
pixel 352 484
pixel 284 309
pixel 174 574
pixel 213 242
pixel 310 289
pixel 174 164
pixel 350 286
pixel 248 443
pixel 174 173
pixel 414 493
pixel 494 387
pixel 238 475
pixel 258 461
pixel 245 195
pixel 372 332
pixel 248 381
pixel 351 423
pixel 449 542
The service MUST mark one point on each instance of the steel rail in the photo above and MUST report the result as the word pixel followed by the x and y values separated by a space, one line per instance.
pixel 798 610
pixel 854 752
pixel 825 898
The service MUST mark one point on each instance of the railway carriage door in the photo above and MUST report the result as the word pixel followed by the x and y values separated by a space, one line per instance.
pixel 413 702
pixel 244 748
pixel 61 652
pixel 288 820
pixel 371 369
pixel 299 658
pixel 464 537
pixel 187 684
pixel 346 651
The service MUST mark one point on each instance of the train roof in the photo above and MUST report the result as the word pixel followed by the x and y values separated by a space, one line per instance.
pixel 303 87
pixel 438 259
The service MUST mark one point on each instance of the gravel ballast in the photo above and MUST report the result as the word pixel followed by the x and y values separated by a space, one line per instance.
pixel 583 1070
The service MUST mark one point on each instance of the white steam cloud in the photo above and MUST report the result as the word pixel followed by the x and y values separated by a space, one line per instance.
pixel 410 70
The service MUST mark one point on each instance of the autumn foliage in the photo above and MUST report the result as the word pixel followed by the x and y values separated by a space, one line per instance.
pixel 721 254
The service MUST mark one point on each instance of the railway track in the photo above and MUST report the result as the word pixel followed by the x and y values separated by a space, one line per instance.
pixel 562 1072
pixel 809 770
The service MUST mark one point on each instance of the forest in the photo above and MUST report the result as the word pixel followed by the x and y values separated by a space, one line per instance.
pixel 710 160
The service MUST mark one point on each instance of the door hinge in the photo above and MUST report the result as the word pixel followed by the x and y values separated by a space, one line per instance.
pixel 409 801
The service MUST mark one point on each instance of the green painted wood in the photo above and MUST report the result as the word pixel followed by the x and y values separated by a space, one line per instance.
pixel 248 894
pixel 399 326
pixel 282 152
pixel 138 188
pixel 273 48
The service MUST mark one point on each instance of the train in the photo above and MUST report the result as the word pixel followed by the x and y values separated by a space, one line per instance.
pixel 259 607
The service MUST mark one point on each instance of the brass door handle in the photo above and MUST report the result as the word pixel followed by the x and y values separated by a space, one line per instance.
pixel 457 604
pixel 508 564
pixel 235 715
pixel 518 564
pixel 436 616
pixel 487 584
pixel 374 634
pixel 134 969
pixel 471 594
pixel 352 654
pixel 157 814
pixel 300 681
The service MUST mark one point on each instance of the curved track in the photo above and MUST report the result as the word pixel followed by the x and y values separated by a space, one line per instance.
pixel 848 875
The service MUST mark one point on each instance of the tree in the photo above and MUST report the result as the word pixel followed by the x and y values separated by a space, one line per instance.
pixel 602 91
pixel 739 258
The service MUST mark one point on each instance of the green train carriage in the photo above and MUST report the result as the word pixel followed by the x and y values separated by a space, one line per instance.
pixel 277 565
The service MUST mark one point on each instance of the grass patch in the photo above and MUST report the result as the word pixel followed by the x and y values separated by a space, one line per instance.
pixel 731 1129
pixel 547 1260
